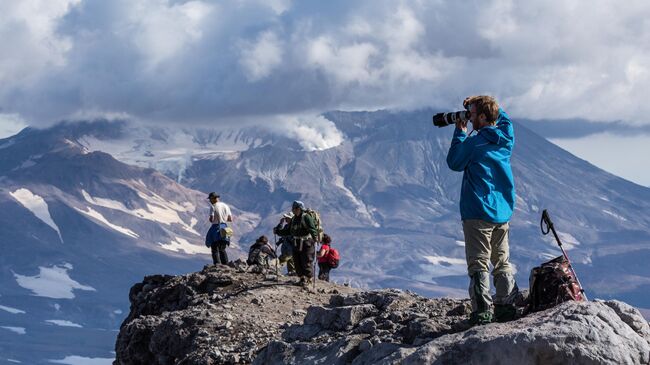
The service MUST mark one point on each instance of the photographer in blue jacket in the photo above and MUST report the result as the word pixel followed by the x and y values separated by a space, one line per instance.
pixel 487 202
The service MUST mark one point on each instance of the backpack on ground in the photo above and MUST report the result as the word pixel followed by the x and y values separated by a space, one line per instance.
pixel 333 258
pixel 552 283
pixel 317 222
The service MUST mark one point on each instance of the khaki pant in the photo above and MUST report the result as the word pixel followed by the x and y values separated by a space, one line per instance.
pixel 487 243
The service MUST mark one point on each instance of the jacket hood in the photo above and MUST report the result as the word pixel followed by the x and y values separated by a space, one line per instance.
pixel 494 135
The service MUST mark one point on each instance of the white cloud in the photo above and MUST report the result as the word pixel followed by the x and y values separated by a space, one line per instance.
pixel 31 43
pixel 262 56
pixel 201 62
pixel 52 282
pixel 346 63
pixel 11 124
pixel 312 132
pixel 161 29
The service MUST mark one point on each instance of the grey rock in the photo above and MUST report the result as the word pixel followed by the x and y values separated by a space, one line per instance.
pixel 575 333
pixel 365 345
pixel 301 332
pixel 367 325
pixel 630 316
pixel 382 353
pixel 339 318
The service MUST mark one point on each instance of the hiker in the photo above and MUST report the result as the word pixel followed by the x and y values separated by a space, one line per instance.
pixel 286 246
pixel 218 234
pixel 303 232
pixel 327 259
pixel 259 252
pixel 487 201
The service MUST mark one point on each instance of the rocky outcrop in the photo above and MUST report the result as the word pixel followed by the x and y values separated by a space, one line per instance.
pixel 403 328
pixel 219 315
pixel 225 315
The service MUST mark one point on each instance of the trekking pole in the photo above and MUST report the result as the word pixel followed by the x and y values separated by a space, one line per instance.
pixel 546 219
pixel 275 240
pixel 314 265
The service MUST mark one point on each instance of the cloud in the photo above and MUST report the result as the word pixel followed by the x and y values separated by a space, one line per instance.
pixel 259 58
pixel 203 62
pixel 11 124
pixel 311 132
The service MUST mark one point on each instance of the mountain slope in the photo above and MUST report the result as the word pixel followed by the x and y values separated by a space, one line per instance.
pixel 77 228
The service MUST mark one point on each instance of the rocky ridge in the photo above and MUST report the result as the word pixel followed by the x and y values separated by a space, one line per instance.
pixel 230 315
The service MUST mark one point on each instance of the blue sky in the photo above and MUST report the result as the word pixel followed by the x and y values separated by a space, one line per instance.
pixel 259 61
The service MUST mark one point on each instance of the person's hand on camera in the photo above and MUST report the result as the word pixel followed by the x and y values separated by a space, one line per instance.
pixel 462 125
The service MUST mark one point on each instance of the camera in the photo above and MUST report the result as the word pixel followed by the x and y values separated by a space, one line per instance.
pixel 445 119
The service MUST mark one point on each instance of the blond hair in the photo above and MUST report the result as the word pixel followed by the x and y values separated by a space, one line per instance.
pixel 487 105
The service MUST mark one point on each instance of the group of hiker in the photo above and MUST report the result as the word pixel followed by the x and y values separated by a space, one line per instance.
pixel 299 232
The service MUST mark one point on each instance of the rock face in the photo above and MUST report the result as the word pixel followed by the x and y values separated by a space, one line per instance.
pixel 224 315
pixel 219 315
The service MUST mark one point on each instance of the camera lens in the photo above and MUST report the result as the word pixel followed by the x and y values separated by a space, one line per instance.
pixel 445 119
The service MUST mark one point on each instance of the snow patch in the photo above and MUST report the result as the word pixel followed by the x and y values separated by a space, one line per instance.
pixel 141 148
pixel 63 323
pixel 361 209
pixel 18 330
pixel 80 360
pixel 52 282
pixel 37 206
pixel 11 310
pixel 568 241
pixel 615 215
pixel 442 266
pixel 180 244
pixel 545 256
pixel 460 243
pixel 98 216
pixel 160 210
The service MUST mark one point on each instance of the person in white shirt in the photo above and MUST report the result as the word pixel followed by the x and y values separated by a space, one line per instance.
pixel 220 216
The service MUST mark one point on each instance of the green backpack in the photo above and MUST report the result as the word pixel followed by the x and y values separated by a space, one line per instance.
pixel 315 216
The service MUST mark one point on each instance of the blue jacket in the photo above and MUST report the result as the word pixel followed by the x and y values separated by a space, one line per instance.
pixel 488 190
pixel 214 235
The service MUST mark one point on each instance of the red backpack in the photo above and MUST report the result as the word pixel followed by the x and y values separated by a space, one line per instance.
pixel 552 283
pixel 333 258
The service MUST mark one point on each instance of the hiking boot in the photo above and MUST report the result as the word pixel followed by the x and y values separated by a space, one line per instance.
pixel 504 312
pixel 480 318
pixel 301 282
